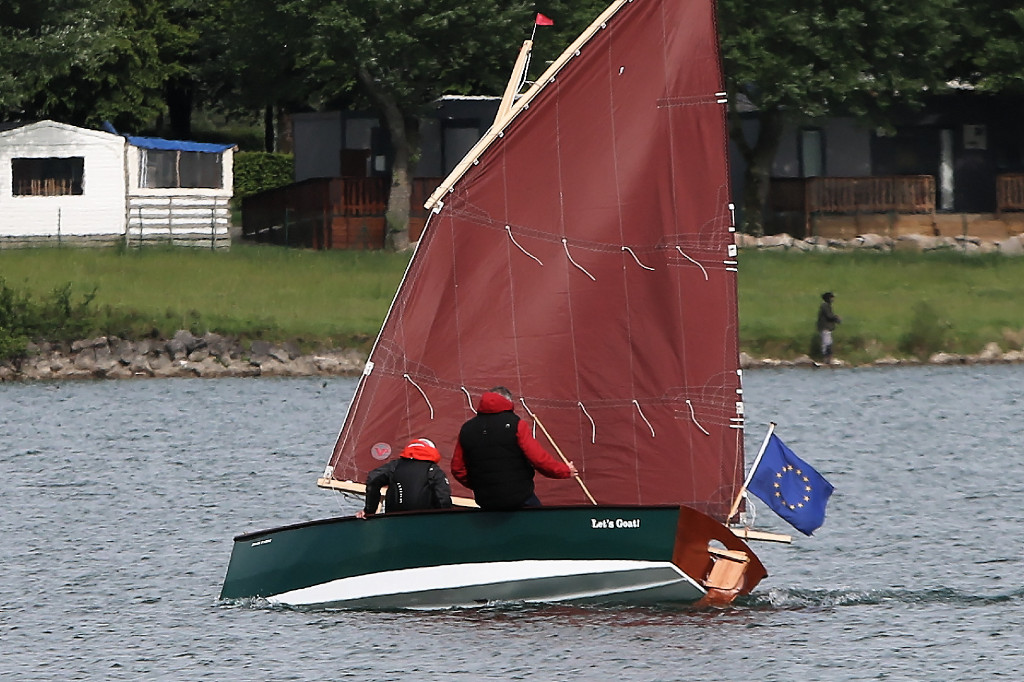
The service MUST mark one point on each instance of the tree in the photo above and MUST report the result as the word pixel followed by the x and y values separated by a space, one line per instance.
pixel 991 45
pixel 401 56
pixel 81 62
pixel 571 17
pixel 798 60
pixel 257 69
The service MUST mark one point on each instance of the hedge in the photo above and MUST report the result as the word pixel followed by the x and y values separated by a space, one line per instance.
pixel 258 171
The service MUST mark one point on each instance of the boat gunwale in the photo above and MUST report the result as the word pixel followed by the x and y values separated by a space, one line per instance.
pixel 460 510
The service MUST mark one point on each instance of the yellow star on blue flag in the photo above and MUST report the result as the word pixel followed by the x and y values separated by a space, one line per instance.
pixel 791 487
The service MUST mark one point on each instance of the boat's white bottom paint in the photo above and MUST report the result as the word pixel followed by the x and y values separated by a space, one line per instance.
pixel 477 584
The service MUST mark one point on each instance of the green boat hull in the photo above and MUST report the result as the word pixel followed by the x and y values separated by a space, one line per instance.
pixel 457 558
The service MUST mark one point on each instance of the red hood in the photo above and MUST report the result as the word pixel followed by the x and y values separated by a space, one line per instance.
pixel 493 402
pixel 421 448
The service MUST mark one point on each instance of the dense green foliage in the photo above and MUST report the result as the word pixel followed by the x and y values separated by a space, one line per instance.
pixel 83 62
pixel 991 40
pixel 55 317
pixel 258 171
pixel 927 332
pixel 890 304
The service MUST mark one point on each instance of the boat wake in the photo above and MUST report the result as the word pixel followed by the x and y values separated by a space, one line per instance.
pixel 798 599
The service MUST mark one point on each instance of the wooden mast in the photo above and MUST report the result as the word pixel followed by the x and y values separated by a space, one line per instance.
pixel 520 104
pixel 514 81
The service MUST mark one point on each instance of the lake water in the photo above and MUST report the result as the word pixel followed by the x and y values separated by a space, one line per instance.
pixel 120 500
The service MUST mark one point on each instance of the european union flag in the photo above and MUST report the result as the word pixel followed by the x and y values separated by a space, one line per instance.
pixel 791 487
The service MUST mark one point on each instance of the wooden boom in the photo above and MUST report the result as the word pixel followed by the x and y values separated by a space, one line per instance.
pixel 360 489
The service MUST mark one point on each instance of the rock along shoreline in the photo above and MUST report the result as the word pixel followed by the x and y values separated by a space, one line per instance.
pixel 992 354
pixel 184 355
pixel 215 356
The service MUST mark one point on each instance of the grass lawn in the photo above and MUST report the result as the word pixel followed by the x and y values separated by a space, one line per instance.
pixel 957 303
pixel 333 297
pixel 943 300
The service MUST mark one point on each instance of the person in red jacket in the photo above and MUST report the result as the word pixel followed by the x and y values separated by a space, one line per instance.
pixel 496 455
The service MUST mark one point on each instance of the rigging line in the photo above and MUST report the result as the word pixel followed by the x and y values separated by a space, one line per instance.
pixel 536 423
pixel 425 398
pixel 469 398
pixel 508 229
pixel 694 262
pixel 565 245
pixel 533 417
pixel 593 426
pixel 626 248
pixel 693 417
pixel 642 416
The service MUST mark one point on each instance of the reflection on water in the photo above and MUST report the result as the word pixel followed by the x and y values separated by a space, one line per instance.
pixel 121 499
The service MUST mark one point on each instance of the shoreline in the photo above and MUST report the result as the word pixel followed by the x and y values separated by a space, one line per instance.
pixel 991 355
pixel 184 355
pixel 216 356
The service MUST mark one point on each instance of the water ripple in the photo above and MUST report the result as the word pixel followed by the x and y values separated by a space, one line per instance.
pixel 121 500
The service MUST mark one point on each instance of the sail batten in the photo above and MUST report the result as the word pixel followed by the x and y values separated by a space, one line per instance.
pixel 581 257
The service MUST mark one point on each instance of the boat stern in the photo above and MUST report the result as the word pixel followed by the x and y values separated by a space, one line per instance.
pixel 722 563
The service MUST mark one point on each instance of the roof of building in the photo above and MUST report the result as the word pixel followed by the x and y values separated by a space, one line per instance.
pixel 176 145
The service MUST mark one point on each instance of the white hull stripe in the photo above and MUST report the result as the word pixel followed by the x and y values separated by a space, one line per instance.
pixel 464 584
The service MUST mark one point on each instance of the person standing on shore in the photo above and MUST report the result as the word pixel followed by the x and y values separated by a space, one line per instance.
pixel 827 321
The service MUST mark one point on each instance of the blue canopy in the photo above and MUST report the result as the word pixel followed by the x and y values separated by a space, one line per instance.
pixel 177 145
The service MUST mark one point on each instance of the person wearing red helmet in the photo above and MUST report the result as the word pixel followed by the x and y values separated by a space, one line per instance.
pixel 414 481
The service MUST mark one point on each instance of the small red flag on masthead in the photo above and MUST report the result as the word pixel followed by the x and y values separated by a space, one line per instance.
pixel 543 20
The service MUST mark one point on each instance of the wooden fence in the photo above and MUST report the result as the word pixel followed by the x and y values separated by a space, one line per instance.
pixel 330 213
pixel 811 197
pixel 895 193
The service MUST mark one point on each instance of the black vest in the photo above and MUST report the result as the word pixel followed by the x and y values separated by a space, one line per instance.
pixel 499 473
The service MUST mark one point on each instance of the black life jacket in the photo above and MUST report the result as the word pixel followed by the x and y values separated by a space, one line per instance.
pixel 409 488
pixel 499 473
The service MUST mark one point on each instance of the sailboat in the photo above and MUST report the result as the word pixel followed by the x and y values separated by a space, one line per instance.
pixel 582 255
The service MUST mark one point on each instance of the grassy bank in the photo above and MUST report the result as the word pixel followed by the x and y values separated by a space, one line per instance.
pixel 897 304
pixel 333 298
pixel 891 304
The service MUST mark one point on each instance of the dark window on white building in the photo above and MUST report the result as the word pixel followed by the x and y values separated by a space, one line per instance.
pixel 47 177
pixel 172 168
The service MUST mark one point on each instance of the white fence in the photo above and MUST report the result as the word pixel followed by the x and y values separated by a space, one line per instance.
pixel 182 220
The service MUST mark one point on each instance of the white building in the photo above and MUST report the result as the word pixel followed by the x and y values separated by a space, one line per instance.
pixel 64 184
